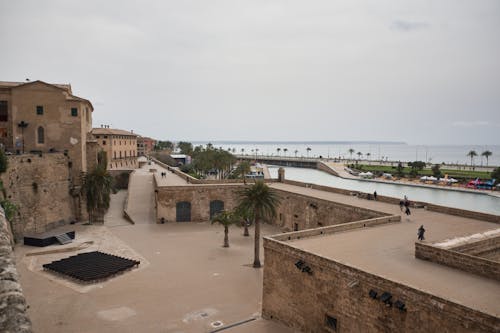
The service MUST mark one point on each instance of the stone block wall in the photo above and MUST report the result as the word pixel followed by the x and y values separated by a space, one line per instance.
pixel 40 188
pixel 299 212
pixel 295 211
pixel 462 261
pixel 13 307
pixel 302 301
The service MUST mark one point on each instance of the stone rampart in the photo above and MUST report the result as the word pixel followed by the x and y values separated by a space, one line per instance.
pixel 303 300
pixel 39 185
pixel 13 314
pixel 452 257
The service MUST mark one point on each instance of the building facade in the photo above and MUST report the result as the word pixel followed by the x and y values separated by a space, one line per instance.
pixel 145 145
pixel 39 117
pixel 119 145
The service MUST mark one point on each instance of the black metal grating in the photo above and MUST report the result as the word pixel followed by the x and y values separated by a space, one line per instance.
pixel 91 266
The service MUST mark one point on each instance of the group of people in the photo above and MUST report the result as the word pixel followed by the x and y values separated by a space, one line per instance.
pixel 163 174
pixel 406 204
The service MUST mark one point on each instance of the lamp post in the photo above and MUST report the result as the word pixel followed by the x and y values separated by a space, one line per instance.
pixel 22 125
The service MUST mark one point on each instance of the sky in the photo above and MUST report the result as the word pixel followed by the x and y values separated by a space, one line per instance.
pixel 422 72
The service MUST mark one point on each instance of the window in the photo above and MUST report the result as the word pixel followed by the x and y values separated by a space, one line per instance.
pixel 97 136
pixel 39 110
pixel 40 135
pixel 103 142
pixel 4 113
pixel 74 112
pixel 114 154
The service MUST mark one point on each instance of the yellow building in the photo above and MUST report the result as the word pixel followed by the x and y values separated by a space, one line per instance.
pixel 119 145
pixel 39 117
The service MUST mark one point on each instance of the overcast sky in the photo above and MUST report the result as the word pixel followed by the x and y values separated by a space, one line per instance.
pixel 422 72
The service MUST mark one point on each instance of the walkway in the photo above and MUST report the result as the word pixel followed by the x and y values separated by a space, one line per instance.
pixel 140 205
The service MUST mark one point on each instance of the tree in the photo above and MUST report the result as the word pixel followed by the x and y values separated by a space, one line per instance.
pixel 263 201
pixel 296 151
pixel 308 150
pixel 399 170
pixel 242 170
pixel 351 151
pixel 472 154
pixel 486 154
pixel 416 166
pixel 359 155
pixel 225 218
pixel 495 174
pixel 278 151
pixel 97 187
pixel 247 216
pixel 185 147
pixel 436 171
pixel 242 151
pixel 161 145
pixel 285 150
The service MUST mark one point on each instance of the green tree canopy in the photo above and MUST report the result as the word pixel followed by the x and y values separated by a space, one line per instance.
pixel 185 147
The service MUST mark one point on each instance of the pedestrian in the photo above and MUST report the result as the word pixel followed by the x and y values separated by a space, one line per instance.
pixel 407 211
pixel 420 233
pixel 401 204
pixel 375 195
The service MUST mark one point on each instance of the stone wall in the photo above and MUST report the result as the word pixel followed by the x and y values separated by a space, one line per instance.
pixel 463 261
pixel 13 315
pixel 302 301
pixel 40 187
pixel 296 212
pixel 299 212
pixel 199 196
pixel 488 248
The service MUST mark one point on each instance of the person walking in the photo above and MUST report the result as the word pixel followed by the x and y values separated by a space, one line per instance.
pixel 375 195
pixel 401 204
pixel 407 211
pixel 420 233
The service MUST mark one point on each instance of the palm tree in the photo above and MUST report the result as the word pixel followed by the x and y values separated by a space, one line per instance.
pixel 226 219
pixel 296 151
pixel 263 201
pixel 472 154
pixel 247 215
pixel 97 186
pixel 278 151
pixel 351 151
pixel 359 155
pixel 242 151
pixel 486 154
pixel 368 157
pixel 242 170
pixel 308 150
pixel 285 150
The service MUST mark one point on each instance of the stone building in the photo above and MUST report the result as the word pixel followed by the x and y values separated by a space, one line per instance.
pixel 41 117
pixel 145 145
pixel 119 145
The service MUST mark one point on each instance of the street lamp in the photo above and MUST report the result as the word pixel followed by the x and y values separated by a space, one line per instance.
pixel 22 125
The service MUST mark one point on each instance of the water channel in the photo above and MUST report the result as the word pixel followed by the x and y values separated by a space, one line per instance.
pixel 479 202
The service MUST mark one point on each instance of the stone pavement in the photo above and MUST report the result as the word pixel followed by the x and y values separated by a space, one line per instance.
pixel 140 205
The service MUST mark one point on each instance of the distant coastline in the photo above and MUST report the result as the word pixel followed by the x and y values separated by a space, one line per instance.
pixel 301 142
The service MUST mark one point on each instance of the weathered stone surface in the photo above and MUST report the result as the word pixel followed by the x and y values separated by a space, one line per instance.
pixel 13 316
pixel 40 188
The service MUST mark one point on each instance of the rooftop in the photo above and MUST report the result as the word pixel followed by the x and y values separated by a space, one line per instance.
pixel 388 251
pixel 112 131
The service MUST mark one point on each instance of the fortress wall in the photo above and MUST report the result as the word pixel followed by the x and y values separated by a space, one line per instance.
pixel 40 188
pixel 462 261
pixel 13 305
pixel 302 301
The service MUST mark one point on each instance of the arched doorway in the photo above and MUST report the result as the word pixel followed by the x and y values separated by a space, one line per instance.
pixel 216 206
pixel 183 211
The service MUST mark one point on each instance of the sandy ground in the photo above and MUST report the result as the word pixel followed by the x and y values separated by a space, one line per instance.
pixel 186 281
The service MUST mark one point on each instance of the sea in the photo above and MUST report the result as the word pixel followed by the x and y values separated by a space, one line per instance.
pixel 387 151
